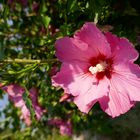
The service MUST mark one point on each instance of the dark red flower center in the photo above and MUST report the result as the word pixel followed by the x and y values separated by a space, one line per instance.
pixel 101 66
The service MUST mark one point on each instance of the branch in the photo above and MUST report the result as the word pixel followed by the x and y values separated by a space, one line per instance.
pixel 28 61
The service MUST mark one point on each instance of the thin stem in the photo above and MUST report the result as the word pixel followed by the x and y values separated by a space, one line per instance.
pixel 28 61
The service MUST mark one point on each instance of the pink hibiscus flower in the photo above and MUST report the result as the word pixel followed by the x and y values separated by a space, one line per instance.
pixel 65 127
pixel 66 97
pixel 34 97
pixel 15 93
pixel 98 67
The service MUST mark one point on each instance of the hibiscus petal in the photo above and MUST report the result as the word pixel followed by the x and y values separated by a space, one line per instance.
pixel 14 90
pixel 129 76
pixel 36 106
pixel 119 47
pixel 83 104
pixel 65 97
pixel 34 95
pixel 116 104
pixel 97 91
pixel 71 77
pixel 113 40
pixel 120 96
pixel 96 40
pixel 26 115
pixel 66 129
pixel 18 101
pixel 38 111
pixel 69 49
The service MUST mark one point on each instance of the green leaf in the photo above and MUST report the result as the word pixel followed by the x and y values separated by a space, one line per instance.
pixel 46 20
pixel 72 5
pixel 1 51
pixel 5 12
pixel 28 103
pixel 43 7
pixel 24 70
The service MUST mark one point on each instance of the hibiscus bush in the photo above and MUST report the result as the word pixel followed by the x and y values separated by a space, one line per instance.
pixel 69 69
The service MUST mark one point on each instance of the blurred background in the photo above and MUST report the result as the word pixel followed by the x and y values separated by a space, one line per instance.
pixel 28 30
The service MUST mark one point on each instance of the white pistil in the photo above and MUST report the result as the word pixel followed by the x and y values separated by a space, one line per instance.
pixel 100 67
